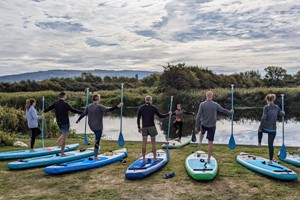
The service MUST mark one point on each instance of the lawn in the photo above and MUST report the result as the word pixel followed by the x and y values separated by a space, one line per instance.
pixel 232 182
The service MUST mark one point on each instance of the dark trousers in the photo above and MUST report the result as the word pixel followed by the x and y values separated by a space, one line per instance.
pixel 178 125
pixel 98 134
pixel 271 138
pixel 35 132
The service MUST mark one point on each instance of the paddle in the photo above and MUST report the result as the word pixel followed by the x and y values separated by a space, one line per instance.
pixel 43 122
pixel 86 142
pixel 169 126
pixel 231 140
pixel 121 138
pixel 193 132
pixel 282 153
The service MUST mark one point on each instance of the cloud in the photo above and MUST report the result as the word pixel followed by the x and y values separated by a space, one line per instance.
pixel 226 36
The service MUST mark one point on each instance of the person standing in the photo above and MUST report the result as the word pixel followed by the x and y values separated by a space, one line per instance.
pixel 62 109
pixel 95 112
pixel 147 112
pixel 268 123
pixel 178 123
pixel 32 121
pixel 206 120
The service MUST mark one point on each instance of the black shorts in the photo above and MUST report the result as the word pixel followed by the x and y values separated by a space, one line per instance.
pixel 210 132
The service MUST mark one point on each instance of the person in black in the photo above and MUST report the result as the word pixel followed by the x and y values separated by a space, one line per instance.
pixel 146 112
pixel 178 122
pixel 62 109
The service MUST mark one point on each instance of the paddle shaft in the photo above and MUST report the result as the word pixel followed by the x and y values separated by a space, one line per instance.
pixel 282 95
pixel 85 122
pixel 43 122
pixel 169 127
pixel 121 110
pixel 232 91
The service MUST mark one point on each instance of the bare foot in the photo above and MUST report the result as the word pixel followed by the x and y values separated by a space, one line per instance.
pixel 32 150
pixel 63 155
pixel 96 158
pixel 176 131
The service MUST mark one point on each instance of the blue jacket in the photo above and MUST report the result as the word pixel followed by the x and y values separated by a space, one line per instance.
pixel 32 117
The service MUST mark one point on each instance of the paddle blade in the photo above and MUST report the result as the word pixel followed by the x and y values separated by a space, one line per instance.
pixel 231 144
pixel 194 137
pixel 86 141
pixel 282 153
pixel 121 140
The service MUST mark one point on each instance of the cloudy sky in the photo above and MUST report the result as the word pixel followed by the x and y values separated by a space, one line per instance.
pixel 226 36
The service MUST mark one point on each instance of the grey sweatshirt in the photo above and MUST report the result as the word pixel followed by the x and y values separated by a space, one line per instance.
pixel 269 117
pixel 207 114
pixel 95 113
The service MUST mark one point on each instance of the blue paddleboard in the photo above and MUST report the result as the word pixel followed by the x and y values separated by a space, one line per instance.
pixel 140 169
pixel 37 152
pixel 291 158
pixel 87 163
pixel 262 166
pixel 50 159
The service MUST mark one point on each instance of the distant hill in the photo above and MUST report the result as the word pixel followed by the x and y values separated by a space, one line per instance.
pixel 43 75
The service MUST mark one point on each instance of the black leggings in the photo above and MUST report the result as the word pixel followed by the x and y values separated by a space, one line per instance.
pixel 271 138
pixel 180 125
pixel 98 134
pixel 35 132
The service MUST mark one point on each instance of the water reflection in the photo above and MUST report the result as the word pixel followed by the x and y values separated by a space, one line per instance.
pixel 245 124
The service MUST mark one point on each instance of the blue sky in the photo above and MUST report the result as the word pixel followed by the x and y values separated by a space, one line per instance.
pixel 226 36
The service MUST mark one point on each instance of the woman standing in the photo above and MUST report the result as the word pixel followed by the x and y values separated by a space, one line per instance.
pixel 32 120
pixel 268 123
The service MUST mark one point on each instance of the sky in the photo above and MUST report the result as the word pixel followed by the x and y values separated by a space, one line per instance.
pixel 225 36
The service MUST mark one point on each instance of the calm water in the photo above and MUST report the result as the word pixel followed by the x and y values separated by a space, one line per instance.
pixel 245 127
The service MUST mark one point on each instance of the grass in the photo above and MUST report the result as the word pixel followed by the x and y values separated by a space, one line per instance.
pixel 232 182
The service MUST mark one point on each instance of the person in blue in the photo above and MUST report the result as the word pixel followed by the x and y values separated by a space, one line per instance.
pixel 268 123
pixel 62 109
pixel 32 121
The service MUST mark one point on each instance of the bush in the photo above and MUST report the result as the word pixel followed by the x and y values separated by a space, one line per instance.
pixel 7 139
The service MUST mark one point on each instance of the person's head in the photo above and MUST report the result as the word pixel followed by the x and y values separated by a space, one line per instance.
pixel 29 103
pixel 96 98
pixel 179 106
pixel 209 95
pixel 148 99
pixel 270 98
pixel 62 96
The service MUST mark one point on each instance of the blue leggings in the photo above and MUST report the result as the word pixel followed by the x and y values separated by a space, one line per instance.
pixel 98 134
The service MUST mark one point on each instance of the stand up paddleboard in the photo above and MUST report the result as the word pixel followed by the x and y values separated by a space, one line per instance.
pixel 197 167
pixel 37 152
pixel 50 159
pixel 174 144
pixel 140 169
pixel 262 166
pixel 87 163
pixel 291 158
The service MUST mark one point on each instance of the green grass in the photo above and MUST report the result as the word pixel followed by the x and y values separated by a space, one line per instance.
pixel 232 182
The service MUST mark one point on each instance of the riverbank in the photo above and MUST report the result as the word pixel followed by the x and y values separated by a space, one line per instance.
pixel 232 182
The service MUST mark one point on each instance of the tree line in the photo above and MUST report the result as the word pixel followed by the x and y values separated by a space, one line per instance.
pixel 178 77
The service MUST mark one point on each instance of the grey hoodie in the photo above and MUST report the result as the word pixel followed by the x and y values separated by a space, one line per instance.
pixel 269 117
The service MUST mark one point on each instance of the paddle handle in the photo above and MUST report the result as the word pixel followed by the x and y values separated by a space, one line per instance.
pixel 121 110
pixel 282 108
pixel 43 122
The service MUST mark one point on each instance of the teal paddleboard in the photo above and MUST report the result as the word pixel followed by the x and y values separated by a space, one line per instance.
pixel 261 165
pixel 37 152
pixel 291 158
pixel 50 159
pixel 174 144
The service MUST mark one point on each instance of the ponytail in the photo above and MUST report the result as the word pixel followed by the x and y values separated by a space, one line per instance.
pixel 270 98
pixel 29 103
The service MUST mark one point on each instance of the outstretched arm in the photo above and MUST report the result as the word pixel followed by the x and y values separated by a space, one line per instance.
pixel 160 115
pixel 49 108
pixel 223 110
pixel 73 110
pixel 85 112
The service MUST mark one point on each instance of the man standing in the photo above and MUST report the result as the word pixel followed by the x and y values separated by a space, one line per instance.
pixel 147 112
pixel 206 120
pixel 95 112
pixel 62 109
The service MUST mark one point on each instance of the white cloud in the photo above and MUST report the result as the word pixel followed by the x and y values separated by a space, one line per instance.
pixel 227 36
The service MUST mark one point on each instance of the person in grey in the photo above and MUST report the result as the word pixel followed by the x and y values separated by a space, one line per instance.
pixel 268 123
pixel 206 120
pixel 95 112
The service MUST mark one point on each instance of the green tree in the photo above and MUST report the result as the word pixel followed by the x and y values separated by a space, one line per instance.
pixel 275 75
